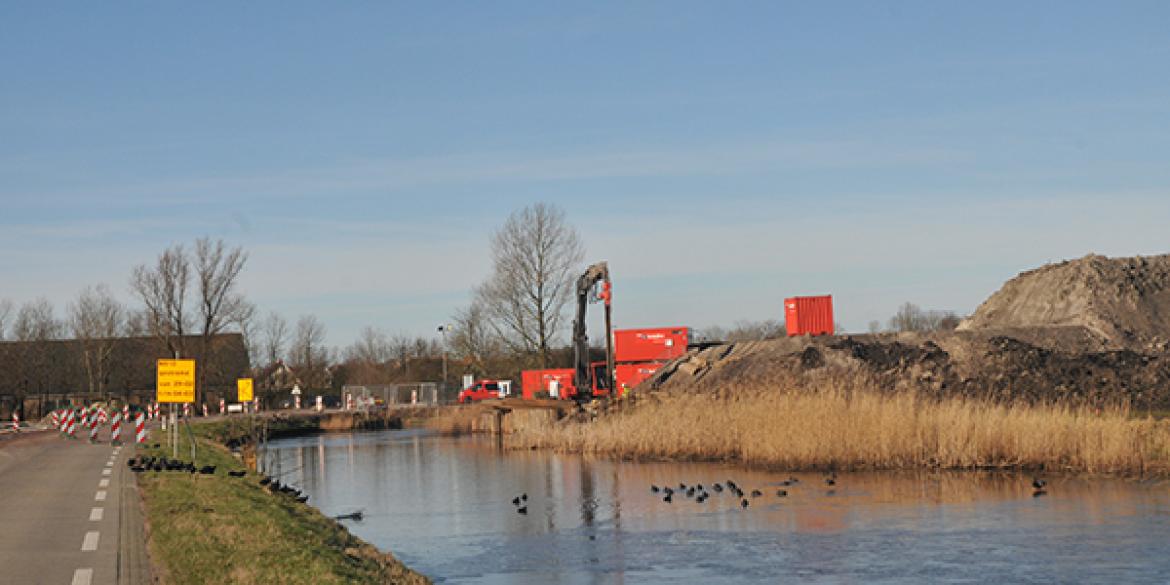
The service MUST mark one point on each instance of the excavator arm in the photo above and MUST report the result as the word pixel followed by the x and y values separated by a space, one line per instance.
pixel 586 283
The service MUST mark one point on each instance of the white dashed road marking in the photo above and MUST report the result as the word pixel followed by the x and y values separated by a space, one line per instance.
pixel 82 576
pixel 95 515
pixel 105 482
pixel 100 496
pixel 105 472
pixel 91 541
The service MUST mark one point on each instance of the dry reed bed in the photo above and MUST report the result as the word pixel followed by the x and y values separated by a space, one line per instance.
pixel 847 425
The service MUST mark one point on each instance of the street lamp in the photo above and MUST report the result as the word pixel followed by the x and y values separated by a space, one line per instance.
pixel 443 332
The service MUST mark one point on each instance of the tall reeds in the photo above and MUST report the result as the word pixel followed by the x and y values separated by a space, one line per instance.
pixel 843 424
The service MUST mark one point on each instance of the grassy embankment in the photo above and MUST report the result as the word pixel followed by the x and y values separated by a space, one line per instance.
pixel 849 425
pixel 221 529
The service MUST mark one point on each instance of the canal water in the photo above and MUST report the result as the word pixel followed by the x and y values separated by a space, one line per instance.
pixel 443 505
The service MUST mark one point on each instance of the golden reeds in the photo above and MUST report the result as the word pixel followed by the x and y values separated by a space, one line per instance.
pixel 849 425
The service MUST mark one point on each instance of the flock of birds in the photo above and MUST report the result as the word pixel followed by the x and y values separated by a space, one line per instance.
pixel 145 463
pixel 699 493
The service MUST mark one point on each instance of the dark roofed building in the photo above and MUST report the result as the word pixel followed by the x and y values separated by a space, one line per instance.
pixel 35 369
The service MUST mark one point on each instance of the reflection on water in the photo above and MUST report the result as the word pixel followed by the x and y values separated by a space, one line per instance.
pixel 443 505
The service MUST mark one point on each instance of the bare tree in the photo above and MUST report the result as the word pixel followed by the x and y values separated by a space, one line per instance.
pixel 36 321
pixel 275 335
pixel 163 291
pixel 245 320
pixel 5 313
pixel 218 272
pixel 35 324
pixel 472 339
pixel 912 318
pixel 309 355
pixel 535 256
pixel 96 320
pixel 875 326
pixel 371 348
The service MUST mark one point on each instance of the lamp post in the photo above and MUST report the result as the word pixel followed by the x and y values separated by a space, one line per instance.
pixel 443 332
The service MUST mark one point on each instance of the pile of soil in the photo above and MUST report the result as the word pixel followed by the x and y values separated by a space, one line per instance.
pixel 1092 330
pixel 1122 302
pixel 942 364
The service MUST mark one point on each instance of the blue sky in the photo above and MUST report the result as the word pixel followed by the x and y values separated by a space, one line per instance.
pixel 721 156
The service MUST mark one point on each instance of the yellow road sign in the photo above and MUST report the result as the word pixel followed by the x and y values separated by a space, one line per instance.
pixel 244 389
pixel 176 380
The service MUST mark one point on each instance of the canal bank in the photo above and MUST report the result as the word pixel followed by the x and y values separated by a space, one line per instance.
pixel 223 523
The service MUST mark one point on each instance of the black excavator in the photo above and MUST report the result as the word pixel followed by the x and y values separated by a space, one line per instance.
pixel 590 379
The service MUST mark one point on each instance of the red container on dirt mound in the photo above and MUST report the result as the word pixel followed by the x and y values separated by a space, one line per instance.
pixel 650 345
pixel 809 315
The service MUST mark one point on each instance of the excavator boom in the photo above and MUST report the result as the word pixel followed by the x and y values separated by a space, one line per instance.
pixel 583 378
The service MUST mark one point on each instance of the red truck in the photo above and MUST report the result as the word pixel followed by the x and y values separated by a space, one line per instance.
pixel 481 390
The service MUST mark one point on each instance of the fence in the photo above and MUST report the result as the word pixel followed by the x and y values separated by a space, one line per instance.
pixel 417 393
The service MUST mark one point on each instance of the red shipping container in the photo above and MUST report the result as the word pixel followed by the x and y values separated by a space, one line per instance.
pixel 650 345
pixel 630 375
pixel 535 381
pixel 809 315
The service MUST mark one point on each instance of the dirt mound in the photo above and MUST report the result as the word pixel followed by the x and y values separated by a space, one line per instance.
pixel 1124 303
pixel 959 363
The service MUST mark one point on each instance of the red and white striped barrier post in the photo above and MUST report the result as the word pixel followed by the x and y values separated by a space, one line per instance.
pixel 140 429
pixel 102 416
pixel 297 402
pixel 205 410
pixel 16 421
pixel 348 401
pixel 70 423
pixel 126 413
pixel 116 429
pixel 222 407
pixel 56 420
pixel 93 428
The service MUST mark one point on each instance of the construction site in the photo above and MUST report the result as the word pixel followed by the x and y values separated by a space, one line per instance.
pixel 1094 331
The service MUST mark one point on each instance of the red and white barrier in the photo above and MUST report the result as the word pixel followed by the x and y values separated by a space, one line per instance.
pixel 140 429
pixel 102 416
pixel 15 421
pixel 71 423
pixel 222 407
pixel 297 400
pixel 93 428
pixel 55 419
pixel 116 429
pixel 186 410
pixel 205 410
pixel 153 408
pixel 126 413
pixel 348 401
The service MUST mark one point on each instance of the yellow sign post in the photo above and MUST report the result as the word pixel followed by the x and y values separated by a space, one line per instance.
pixel 176 381
pixel 244 389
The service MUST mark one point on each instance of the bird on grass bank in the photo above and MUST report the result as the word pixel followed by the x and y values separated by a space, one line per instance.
pixel 1038 487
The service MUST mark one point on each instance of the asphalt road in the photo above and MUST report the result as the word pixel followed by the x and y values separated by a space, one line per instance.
pixel 69 512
